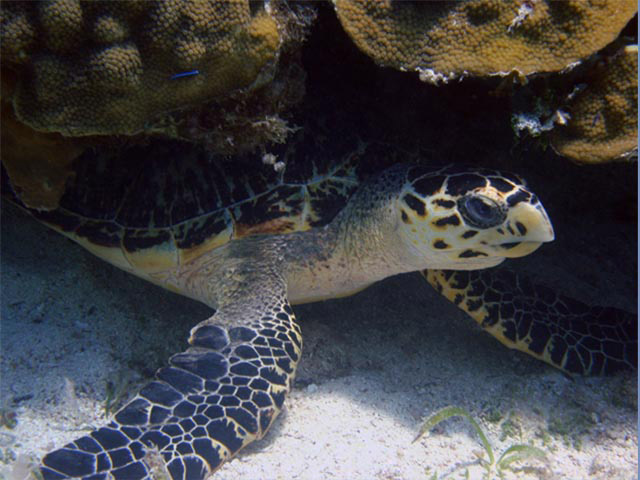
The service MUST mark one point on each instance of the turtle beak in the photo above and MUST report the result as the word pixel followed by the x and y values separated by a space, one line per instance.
pixel 531 228
pixel 542 225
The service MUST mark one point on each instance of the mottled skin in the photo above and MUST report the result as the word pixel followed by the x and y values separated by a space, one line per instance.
pixel 367 242
pixel 226 389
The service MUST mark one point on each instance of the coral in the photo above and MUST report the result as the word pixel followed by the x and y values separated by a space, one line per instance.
pixel 106 67
pixel 253 119
pixel 37 164
pixel 446 40
pixel 251 122
pixel 603 124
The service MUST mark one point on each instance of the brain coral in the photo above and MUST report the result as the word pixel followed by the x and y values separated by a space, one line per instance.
pixel 113 67
pixel 604 116
pixel 445 40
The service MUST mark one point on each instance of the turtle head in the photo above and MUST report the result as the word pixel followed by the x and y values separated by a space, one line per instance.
pixel 469 219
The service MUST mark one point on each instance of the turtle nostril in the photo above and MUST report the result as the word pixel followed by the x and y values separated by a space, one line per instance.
pixel 521 228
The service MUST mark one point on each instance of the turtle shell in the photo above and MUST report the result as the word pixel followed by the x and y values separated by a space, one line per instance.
pixel 149 209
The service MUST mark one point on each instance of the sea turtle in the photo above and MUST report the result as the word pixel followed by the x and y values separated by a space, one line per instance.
pixel 250 241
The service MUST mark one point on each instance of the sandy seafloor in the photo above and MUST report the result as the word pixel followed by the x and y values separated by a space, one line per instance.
pixel 373 366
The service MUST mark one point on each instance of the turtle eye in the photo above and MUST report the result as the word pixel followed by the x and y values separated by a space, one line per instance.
pixel 480 212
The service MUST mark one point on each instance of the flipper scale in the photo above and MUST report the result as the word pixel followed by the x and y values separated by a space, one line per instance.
pixel 222 393
pixel 566 333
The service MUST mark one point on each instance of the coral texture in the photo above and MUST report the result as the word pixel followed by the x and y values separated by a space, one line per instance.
pixel 604 116
pixel 446 40
pixel 109 67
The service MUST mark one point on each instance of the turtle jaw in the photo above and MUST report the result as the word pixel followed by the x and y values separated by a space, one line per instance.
pixel 519 249
pixel 534 218
pixel 527 227
pixel 531 226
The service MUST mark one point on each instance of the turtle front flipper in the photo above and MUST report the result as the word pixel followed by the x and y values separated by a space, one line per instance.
pixel 222 393
pixel 559 330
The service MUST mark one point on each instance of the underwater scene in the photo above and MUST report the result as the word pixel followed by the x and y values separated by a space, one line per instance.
pixel 346 239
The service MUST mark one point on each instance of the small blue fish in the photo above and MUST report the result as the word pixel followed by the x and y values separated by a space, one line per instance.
pixel 190 73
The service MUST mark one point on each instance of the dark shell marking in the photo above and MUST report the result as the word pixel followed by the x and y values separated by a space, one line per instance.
pixel 460 184
pixel 415 204
pixel 501 184
pixel 517 197
pixel 453 220
pixel 170 202
pixel 429 185
pixel 444 203
pixel 440 244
